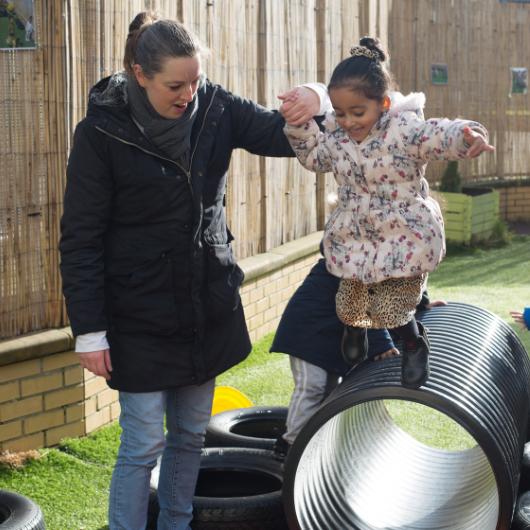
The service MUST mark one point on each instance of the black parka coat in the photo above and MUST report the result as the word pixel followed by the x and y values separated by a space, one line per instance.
pixel 145 250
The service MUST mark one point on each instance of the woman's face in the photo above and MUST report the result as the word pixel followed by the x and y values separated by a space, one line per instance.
pixel 172 89
pixel 355 113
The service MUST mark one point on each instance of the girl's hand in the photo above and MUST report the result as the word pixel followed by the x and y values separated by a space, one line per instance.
pixel 435 303
pixel 518 317
pixel 299 105
pixel 477 143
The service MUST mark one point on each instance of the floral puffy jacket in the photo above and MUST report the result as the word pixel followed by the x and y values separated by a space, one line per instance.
pixel 385 224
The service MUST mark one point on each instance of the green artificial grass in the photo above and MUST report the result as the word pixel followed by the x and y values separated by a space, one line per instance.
pixel 71 483
pixel 71 492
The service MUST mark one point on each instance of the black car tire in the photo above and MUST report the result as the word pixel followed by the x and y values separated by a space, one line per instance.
pixel 521 517
pixel 253 427
pixel 17 512
pixel 237 489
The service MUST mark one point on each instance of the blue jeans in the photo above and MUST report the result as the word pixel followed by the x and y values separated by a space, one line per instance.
pixel 187 411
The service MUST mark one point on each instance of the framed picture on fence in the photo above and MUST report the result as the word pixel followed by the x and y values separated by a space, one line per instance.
pixel 519 81
pixel 17 24
pixel 439 74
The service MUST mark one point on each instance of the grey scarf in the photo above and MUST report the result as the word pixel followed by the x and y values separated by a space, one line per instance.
pixel 172 137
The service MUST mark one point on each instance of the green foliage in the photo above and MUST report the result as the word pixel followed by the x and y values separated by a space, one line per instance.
pixel 451 179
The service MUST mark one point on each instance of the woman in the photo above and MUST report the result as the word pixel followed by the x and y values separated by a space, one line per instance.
pixel 151 285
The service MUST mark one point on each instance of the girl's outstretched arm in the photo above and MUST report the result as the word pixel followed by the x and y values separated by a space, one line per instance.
pixel 444 139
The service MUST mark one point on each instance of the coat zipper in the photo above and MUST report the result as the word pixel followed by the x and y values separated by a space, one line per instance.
pixel 187 172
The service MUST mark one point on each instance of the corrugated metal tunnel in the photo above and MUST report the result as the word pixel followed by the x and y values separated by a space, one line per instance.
pixel 355 465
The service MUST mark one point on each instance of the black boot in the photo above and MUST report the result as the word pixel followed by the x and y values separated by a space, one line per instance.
pixel 354 345
pixel 415 361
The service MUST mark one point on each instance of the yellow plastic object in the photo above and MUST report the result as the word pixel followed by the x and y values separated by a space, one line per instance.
pixel 228 398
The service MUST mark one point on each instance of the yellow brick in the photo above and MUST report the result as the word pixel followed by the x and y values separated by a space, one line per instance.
pixel 59 360
pixel 270 314
pixel 75 412
pixel 66 396
pixel 19 370
pixel 42 383
pixel 262 281
pixel 73 375
pixel 256 321
pixel 34 441
pixel 90 405
pixel 115 411
pixel 262 305
pixel 245 298
pixel 9 391
pixel 95 386
pixel 250 310
pixel 41 422
pixel 245 290
pixel 20 407
pixel 283 283
pixel 256 294
pixel 286 294
pixel 71 430
pixel 276 275
pixel 13 429
pixel 97 420
pixel 106 397
pixel 275 299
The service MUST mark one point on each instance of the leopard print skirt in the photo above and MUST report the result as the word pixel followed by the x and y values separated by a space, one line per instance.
pixel 387 304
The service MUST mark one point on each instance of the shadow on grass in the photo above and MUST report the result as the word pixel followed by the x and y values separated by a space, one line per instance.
pixel 506 265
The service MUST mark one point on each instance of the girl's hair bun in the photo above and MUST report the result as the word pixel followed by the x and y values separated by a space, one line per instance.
pixel 374 45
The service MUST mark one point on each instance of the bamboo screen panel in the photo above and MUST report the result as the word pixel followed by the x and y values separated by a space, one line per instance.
pixel 258 49
pixel 33 147
pixel 479 40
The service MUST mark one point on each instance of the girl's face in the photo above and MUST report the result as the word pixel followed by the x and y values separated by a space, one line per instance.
pixel 173 88
pixel 355 113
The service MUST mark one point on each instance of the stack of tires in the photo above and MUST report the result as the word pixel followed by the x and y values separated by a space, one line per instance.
pixel 240 482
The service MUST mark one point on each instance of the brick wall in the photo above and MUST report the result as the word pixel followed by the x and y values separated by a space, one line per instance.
pixel 49 397
pixel 46 396
pixel 515 203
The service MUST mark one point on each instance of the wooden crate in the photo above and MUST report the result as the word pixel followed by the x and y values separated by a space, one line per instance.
pixel 470 215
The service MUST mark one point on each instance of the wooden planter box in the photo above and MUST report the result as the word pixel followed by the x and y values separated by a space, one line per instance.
pixel 471 215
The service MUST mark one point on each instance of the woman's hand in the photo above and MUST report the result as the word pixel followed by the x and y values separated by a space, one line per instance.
pixel 477 143
pixel 299 105
pixel 519 318
pixel 97 362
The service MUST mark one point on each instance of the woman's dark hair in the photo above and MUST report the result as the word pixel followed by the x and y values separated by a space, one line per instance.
pixel 364 73
pixel 152 40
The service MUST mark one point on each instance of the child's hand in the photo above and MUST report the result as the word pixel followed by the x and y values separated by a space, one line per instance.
pixel 435 303
pixel 299 105
pixel 477 143
pixel 518 317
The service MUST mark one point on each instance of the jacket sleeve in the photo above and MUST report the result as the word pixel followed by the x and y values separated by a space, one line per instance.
pixel 87 205
pixel 438 138
pixel 257 129
pixel 309 144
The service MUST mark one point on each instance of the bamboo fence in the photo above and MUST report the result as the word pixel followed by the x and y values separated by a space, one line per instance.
pixel 259 48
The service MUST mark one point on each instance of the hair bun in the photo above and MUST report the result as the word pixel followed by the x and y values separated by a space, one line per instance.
pixel 374 45
pixel 142 19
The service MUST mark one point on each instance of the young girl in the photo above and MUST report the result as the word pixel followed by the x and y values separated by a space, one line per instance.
pixel 386 232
